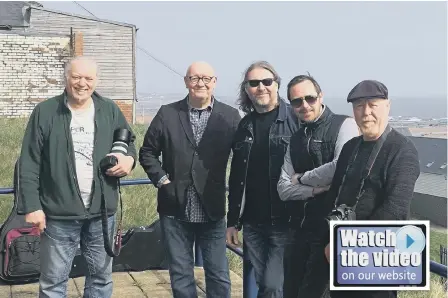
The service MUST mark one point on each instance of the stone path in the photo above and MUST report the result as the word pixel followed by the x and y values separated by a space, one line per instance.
pixel 153 284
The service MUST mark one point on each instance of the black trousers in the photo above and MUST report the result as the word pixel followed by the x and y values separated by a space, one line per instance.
pixel 307 271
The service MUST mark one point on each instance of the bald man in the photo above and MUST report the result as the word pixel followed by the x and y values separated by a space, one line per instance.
pixel 61 194
pixel 194 136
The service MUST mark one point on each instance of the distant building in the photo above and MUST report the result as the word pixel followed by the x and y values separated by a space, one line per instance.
pixel 430 193
pixel 36 42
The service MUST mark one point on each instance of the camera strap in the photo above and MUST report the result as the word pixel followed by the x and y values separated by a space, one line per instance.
pixel 104 220
pixel 369 165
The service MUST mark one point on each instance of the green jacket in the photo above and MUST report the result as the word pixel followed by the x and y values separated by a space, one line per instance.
pixel 47 172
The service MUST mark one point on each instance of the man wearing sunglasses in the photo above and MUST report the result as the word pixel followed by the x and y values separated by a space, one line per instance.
pixel 259 147
pixel 306 175
pixel 194 137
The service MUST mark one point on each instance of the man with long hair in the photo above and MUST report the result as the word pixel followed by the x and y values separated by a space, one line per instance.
pixel 258 150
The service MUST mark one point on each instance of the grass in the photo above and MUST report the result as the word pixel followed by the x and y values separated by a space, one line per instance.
pixel 139 204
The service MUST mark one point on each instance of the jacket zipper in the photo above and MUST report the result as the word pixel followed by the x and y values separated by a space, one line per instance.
pixel 308 145
pixel 71 151
pixel 95 133
pixel 269 169
pixel 309 154
pixel 243 200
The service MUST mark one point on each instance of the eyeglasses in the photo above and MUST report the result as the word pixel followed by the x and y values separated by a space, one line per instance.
pixel 195 79
pixel 298 102
pixel 256 83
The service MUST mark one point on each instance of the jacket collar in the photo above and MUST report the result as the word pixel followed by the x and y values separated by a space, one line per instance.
pixel 282 109
pixel 98 100
pixel 281 116
pixel 185 104
pixel 210 106
pixel 184 117
pixel 326 112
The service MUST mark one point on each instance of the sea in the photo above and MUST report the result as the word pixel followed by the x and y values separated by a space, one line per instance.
pixel 417 108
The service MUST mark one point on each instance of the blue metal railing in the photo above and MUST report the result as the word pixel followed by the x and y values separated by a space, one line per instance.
pixel 250 288
pixel 6 191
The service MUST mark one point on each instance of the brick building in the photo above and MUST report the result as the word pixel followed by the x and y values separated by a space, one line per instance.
pixel 35 44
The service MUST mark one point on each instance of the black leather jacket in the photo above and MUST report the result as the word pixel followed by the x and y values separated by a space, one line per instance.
pixel 280 133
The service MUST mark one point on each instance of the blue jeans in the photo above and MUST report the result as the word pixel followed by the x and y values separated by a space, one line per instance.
pixel 58 247
pixel 265 245
pixel 178 239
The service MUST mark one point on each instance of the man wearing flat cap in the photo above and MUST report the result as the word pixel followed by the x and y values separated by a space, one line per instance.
pixel 377 171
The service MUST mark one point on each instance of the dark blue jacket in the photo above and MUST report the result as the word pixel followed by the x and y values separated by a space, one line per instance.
pixel 280 133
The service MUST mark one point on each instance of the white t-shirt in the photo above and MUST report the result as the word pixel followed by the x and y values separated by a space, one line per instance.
pixel 82 128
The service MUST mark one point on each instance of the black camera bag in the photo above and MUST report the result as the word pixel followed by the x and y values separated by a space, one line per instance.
pixel 141 248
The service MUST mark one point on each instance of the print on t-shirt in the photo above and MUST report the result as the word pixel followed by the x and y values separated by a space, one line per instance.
pixel 82 145
pixel 82 128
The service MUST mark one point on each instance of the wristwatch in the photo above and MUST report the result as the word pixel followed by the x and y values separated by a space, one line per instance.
pixel 300 179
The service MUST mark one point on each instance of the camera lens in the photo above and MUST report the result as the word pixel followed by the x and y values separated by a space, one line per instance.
pixel 122 135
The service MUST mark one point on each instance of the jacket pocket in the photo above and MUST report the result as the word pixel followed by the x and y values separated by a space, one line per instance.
pixel 323 151
pixel 167 200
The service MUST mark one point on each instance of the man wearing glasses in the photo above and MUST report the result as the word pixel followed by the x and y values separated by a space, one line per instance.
pixel 194 136
pixel 306 175
pixel 258 151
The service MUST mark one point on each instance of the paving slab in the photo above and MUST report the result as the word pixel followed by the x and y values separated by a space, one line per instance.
pixel 153 283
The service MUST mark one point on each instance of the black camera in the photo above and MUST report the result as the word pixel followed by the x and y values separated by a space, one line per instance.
pixel 341 212
pixel 121 140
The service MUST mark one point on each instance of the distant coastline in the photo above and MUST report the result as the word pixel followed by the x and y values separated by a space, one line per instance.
pixel 425 109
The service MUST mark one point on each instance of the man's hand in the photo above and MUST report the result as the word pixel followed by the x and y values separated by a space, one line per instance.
pixel 37 219
pixel 327 252
pixel 232 236
pixel 124 166
pixel 319 190
pixel 295 178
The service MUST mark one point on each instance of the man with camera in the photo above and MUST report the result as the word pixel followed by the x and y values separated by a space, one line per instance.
pixel 376 172
pixel 306 175
pixel 69 171
pixel 194 136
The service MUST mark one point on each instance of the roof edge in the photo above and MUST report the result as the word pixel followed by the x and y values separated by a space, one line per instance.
pixel 82 16
pixel 429 138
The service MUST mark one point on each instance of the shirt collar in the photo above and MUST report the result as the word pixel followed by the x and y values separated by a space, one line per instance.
pixel 210 106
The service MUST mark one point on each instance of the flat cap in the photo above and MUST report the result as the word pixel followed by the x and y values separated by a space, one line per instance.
pixel 368 89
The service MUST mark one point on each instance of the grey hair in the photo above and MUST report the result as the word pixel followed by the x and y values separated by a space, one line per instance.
pixel 244 101
pixel 68 65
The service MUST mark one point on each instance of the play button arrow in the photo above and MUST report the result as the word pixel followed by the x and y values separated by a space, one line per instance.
pixel 409 241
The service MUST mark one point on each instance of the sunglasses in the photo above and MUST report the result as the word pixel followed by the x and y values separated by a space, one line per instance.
pixel 298 102
pixel 256 83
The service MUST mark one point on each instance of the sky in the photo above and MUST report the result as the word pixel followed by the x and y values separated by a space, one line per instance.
pixel 402 44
